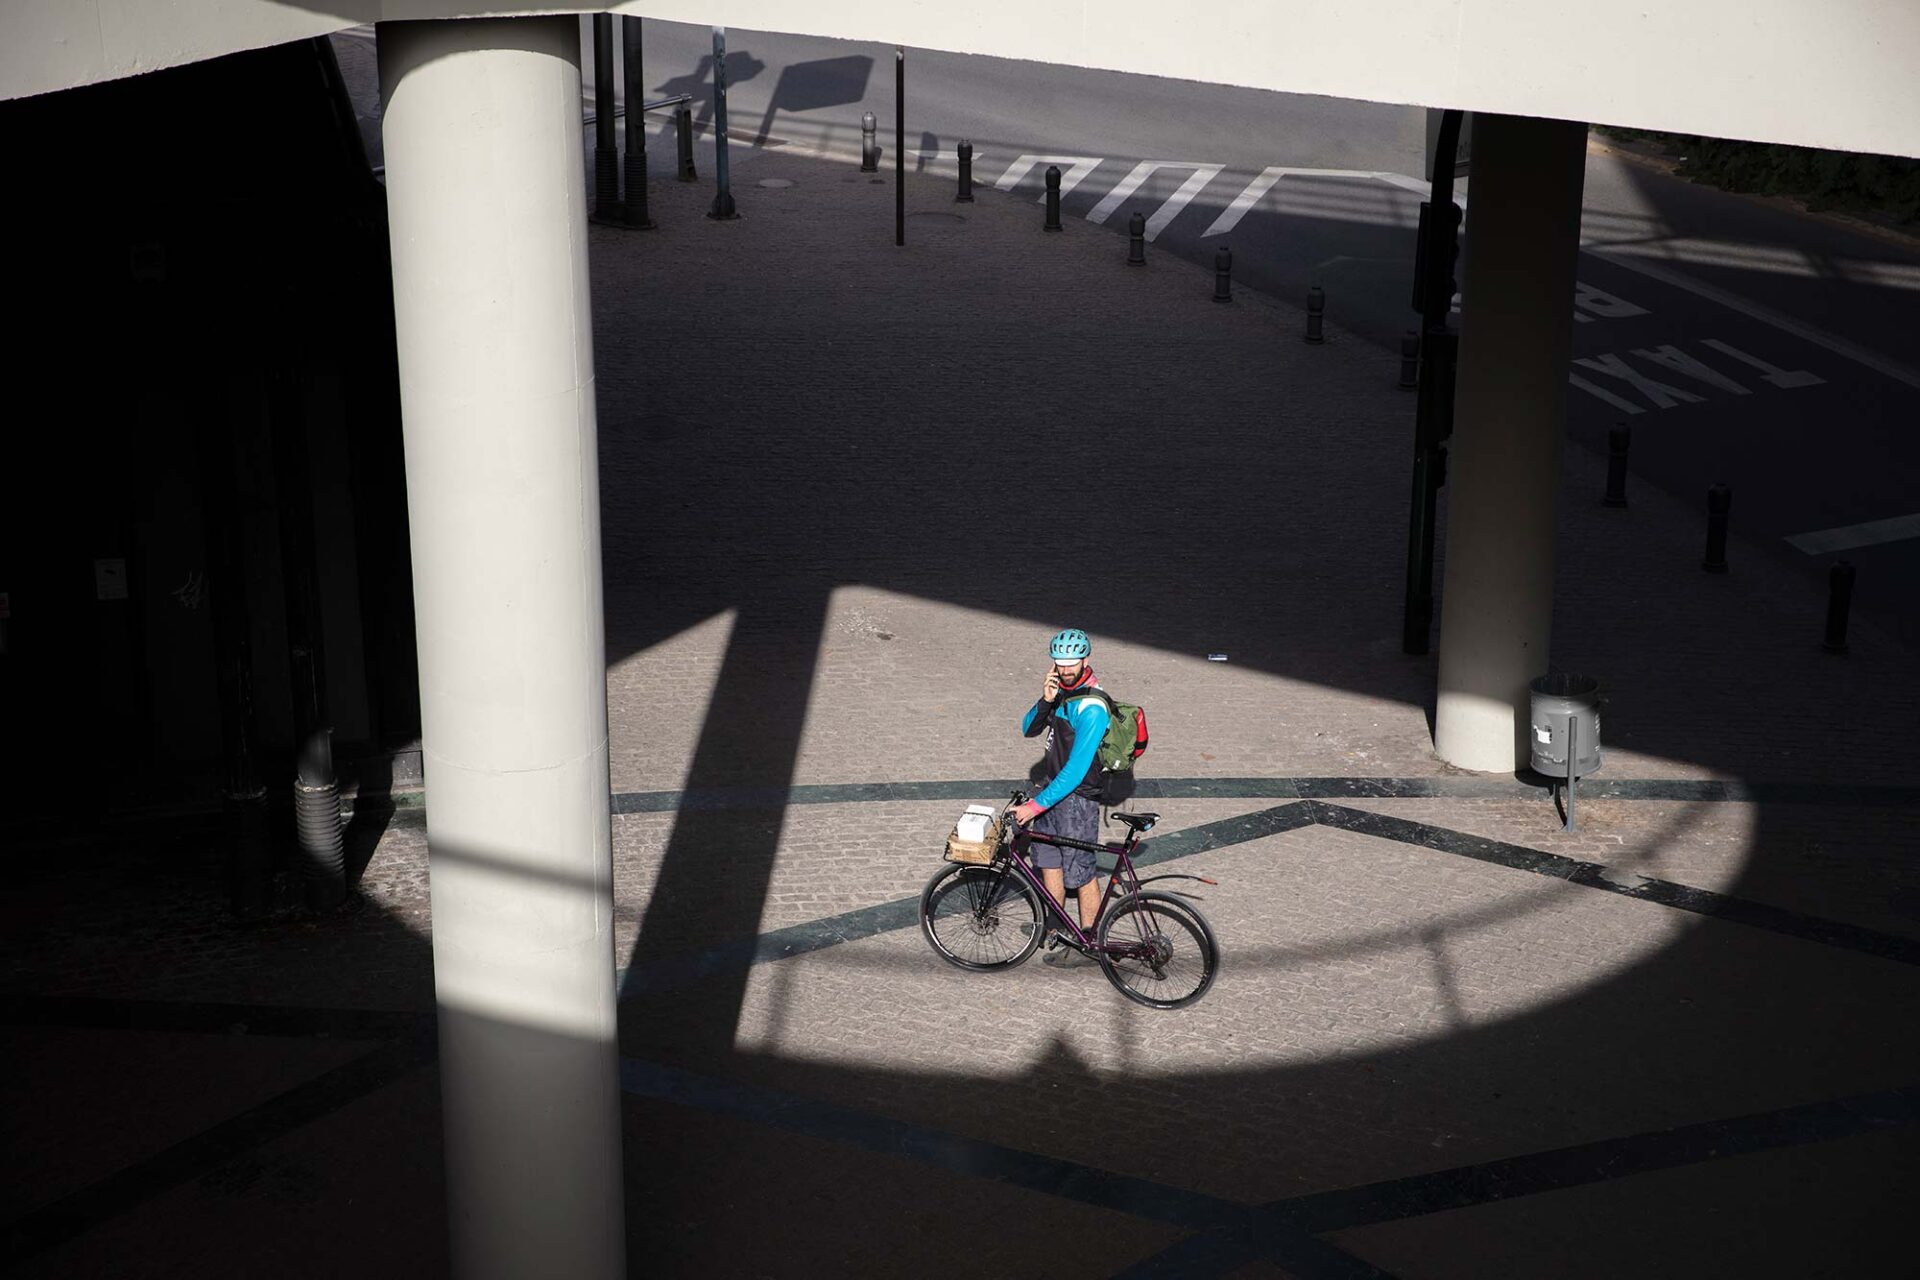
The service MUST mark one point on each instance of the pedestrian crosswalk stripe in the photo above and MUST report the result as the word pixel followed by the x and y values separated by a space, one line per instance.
pixel 1850 537
pixel 1170 209
pixel 1078 167
pixel 1257 189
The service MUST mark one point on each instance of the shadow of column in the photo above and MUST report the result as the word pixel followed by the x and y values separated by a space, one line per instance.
pixel 718 865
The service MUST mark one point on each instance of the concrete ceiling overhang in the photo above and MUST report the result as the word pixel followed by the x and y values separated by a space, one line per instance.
pixel 1838 73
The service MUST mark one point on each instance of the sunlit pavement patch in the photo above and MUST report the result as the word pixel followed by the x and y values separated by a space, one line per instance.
pixel 673 972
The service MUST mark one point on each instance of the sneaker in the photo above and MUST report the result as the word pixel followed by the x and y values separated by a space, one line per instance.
pixel 1068 957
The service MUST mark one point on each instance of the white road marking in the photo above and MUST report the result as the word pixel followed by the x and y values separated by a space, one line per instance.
pixel 1623 256
pixel 1888 275
pixel 1624 406
pixel 1846 538
pixel 1606 305
pixel 1256 190
pixel 1196 181
pixel 1078 167
pixel 1662 395
pixel 1419 187
pixel 1680 362
pixel 1772 373
pixel 1754 311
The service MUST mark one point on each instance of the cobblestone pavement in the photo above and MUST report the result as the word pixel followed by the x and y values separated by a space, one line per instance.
pixel 1448 1038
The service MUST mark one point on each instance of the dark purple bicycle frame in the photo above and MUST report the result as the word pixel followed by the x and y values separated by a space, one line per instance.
pixel 1123 870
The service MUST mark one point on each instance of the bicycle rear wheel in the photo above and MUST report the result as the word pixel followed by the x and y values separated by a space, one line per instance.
pixel 1162 950
pixel 980 917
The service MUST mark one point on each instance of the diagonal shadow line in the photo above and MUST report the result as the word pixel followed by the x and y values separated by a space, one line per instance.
pixel 75 1214
pixel 718 864
pixel 1590 875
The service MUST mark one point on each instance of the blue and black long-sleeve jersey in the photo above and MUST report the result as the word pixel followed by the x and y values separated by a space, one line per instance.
pixel 1074 728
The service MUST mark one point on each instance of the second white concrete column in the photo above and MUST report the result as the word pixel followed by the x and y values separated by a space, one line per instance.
pixel 486 202
pixel 1516 337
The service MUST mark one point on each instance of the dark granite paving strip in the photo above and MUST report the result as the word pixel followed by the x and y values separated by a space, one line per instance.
pixel 1221 1250
pixel 84 1012
pixel 1598 1162
pixel 904 913
pixel 815 935
pixel 1590 875
pixel 1451 787
pixel 1221 1253
pixel 1220 1219
pixel 117 1193
pixel 795 1114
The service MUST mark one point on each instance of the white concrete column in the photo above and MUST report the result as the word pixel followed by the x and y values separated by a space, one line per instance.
pixel 486 201
pixel 1516 336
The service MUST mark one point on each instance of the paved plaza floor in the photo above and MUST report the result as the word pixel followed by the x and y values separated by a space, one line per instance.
pixel 849 489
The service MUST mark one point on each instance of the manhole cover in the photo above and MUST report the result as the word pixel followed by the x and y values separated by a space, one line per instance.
pixel 775 183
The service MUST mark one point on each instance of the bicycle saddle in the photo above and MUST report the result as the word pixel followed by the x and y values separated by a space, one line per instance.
pixel 1139 821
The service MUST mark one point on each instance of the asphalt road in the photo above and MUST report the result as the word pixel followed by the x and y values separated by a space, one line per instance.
pixel 1742 341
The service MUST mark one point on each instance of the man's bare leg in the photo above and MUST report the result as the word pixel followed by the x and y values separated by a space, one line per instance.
pixel 1089 904
pixel 1056 881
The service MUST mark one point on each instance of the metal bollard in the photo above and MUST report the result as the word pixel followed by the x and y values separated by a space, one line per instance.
pixel 1316 309
pixel 683 129
pixel 316 815
pixel 1223 275
pixel 1137 240
pixel 635 204
pixel 1619 439
pixel 869 145
pixel 1719 502
pixel 606 161
pixel 966 174
pixel 1409 361
pixel 1053 199
pixel 1839 601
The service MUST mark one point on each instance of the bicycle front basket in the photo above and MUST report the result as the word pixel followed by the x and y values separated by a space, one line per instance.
pixel 977 852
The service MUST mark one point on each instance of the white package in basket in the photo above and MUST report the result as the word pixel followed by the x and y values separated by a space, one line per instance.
pixel 974 824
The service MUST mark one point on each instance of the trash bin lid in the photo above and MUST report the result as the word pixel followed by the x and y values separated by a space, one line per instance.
pixel 1560 684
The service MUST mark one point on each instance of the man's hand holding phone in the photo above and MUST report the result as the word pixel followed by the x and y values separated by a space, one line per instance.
pixel 1050 688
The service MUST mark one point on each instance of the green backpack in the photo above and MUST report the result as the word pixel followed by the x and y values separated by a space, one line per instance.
pixel 1126 738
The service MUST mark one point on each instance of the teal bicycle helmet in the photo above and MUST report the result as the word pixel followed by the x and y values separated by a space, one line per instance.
pixel 1070 644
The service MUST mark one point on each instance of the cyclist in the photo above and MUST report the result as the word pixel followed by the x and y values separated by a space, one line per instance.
pixel 1067 805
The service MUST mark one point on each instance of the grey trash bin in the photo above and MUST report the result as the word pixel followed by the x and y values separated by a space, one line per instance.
pixel 1566 715
pixel 1565 729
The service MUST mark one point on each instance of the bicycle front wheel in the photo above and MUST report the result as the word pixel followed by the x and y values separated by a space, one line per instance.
pixel 980 917
pixel 1158 950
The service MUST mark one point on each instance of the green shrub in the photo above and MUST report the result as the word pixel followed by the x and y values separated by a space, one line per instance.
pixel 1824 179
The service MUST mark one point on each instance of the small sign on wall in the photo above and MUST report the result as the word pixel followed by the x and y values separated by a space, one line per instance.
pixel 110 579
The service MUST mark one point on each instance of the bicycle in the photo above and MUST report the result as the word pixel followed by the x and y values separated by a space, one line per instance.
pixel 1155 948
